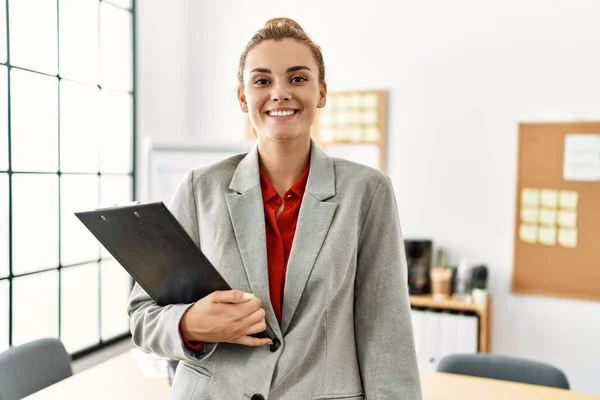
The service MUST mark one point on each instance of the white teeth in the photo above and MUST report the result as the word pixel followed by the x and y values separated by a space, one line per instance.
pixel 281 113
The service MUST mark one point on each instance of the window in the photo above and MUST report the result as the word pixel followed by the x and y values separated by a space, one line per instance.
pixel 66 145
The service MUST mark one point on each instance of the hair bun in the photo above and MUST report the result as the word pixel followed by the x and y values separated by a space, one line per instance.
pixel 277 22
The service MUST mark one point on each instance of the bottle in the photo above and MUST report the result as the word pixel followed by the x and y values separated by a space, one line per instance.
pixel 441 278
pixel 462 282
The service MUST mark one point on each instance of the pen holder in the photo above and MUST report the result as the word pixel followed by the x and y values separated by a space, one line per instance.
pixel 440 282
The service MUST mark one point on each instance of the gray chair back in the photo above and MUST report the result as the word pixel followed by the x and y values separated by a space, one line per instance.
pixel 32 366
pixel 504 368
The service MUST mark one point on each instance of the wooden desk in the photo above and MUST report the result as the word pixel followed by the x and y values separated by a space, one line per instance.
pixel 482 310
pixel 440 386
pixel 120 379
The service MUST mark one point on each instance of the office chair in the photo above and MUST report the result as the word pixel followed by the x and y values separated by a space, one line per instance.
pixel 32 366
pixel 504 368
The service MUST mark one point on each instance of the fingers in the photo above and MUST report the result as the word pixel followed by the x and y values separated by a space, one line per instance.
pixel 258 327
pixel 231 296
pixel 249 308
pixel 255 317
pixel 252 341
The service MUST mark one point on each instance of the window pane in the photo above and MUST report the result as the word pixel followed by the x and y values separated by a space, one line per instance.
pixel 114 190
pixel 2 31
pixel 3 117
pixel 34 111
pixel 79 307
pixel 35 307
pixel 116 134
pixel 121 3
pixel 35 222
pixel 4 309
pixel 33 35
pixel 116 51
pixel 78 193
pixel 79 149
pixel 79 40
pixel 3 225
pixel 116 286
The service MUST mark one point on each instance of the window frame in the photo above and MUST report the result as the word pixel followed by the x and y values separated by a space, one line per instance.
pixel 9 172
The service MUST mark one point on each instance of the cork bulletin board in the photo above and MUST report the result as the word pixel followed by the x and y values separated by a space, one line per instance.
pixel 557 213
pixel 352 125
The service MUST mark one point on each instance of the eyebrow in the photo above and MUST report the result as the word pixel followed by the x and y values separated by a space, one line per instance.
pixel 290 69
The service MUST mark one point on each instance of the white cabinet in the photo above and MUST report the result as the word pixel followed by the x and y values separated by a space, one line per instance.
pixel 440 333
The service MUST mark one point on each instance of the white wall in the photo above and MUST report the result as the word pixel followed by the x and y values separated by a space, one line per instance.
pixel 161 79
pixel 162 64
pixel 461 75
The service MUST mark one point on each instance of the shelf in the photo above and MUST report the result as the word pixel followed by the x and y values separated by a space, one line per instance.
pixel 427 300
pixel 482 310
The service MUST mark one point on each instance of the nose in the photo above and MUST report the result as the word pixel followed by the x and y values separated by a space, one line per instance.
pixel 280 93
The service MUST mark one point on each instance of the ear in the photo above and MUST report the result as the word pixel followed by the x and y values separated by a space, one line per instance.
pixel 242 99
pixel 322 95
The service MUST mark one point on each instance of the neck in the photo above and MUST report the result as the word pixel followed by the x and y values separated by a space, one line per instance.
pixel 283 162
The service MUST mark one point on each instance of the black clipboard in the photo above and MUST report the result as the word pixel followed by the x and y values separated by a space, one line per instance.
pixel 152 246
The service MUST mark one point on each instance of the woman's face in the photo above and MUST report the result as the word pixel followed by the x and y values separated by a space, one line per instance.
pixel 281 90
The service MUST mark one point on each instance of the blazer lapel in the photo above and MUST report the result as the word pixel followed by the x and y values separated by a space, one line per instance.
pixel 247 217
pixel 314 221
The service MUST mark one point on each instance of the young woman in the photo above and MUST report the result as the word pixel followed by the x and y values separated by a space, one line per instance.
pixel 312 245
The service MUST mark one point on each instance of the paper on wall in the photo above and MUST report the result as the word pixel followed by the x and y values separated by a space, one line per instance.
pixel 548 217
pixel 582 157
pixel 568 199
pixel 530 197
pixel 367 154
pixel 567 237
pixel 549 198
pixel 567 219
pixel 529 215
pixel 528 233
pixel 547 235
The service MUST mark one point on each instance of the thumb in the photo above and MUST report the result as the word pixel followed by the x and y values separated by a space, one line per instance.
pixel 231 296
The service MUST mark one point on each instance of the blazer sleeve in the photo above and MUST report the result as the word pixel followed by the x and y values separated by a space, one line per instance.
pixel 156 328
pixel 383 323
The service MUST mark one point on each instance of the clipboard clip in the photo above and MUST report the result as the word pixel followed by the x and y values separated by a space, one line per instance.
pixel 129 204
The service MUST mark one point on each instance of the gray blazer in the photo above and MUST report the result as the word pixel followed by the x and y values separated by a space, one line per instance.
pixel 346 328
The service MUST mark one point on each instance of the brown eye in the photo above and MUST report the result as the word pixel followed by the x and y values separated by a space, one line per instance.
pixel 299 79
pixel 261 81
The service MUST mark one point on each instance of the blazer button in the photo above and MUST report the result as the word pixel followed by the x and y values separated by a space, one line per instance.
pixel 257 396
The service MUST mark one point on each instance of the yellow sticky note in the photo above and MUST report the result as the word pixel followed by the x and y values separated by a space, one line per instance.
pixel 549 198
pixel 342 134
pixel 331 101
pixel 548 217
pixel 326 119
pixel 567 219
pixel 370 101
pixel 529 215
pixel 343 118
pixel 354 100
pixel 372 134
pixel 568 199
pixel 356 134
pixel 326 135
pixel 530 197
pixel 567 237
pixel 370 117
pixel 547 235
pixel 528 233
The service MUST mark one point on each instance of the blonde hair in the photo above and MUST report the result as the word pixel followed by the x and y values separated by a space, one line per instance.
pixel 279 29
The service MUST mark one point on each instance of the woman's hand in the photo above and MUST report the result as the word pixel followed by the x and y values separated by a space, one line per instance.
pixel 225 316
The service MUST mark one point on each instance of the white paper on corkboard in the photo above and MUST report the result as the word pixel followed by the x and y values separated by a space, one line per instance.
pixel 367 154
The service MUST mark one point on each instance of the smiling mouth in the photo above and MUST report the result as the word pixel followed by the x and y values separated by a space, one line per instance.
pixel 286 113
